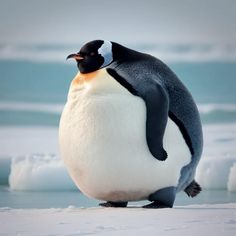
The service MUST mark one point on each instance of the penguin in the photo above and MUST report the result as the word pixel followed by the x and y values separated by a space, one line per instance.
pixel 130 130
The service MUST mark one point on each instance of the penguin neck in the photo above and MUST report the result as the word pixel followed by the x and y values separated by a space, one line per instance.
pixel 97 82
pixel 81 78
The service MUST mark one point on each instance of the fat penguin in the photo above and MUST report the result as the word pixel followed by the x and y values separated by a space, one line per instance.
pixel 130 129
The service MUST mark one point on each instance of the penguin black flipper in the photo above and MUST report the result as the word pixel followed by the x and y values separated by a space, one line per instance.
pixel 146 76
pixel 183 111
pixel 156 100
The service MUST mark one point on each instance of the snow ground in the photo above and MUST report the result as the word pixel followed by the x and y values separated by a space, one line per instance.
pixel 194 220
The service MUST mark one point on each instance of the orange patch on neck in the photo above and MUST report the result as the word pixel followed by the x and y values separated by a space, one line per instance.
pixel 80 78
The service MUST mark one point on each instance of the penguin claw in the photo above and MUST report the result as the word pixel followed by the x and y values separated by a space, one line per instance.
pixel 155 205
pixel 193 189
pixel 113 204
pixel 106 204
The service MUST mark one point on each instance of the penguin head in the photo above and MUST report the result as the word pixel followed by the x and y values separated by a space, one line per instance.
pixel 93 56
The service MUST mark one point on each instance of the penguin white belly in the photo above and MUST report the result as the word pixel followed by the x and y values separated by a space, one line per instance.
pixel 103 143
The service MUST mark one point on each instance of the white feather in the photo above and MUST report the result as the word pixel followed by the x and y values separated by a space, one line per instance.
pixel 103 143
pixel 106 51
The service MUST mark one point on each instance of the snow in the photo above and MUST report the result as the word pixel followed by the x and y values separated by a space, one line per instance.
pixel 36 150
pixel 232 179
pixel 178 52
pixel 39 173
pixel 194 220
pixel 23 140
pixel 215 170
pixel 44 172
pixel 216 173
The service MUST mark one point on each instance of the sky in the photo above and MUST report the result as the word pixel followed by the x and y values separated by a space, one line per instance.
pixel 124 21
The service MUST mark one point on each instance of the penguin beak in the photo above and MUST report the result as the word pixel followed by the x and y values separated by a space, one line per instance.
pixel 76 56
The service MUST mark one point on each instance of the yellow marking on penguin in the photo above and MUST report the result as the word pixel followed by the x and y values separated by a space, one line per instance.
pixel 81 78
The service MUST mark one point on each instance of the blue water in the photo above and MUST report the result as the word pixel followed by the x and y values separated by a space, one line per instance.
pixel 48 83
pixel 61 199
pixel 34 82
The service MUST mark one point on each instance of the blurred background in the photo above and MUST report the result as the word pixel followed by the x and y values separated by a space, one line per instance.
pixel 195 38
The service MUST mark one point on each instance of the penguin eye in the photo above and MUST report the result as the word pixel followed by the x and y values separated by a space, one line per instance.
pixel 92 54
pixel 81 53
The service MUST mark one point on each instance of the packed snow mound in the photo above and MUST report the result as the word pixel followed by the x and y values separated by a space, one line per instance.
pixel 39 173
pixel 48 173
pixel 213 173
pixel 231 185
pixel 42 172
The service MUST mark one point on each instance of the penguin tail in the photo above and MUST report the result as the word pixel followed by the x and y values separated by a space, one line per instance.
pixel 193 189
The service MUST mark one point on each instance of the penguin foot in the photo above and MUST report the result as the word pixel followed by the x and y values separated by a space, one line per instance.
pixel 113 204
pixel 162 198
pixel 156 205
